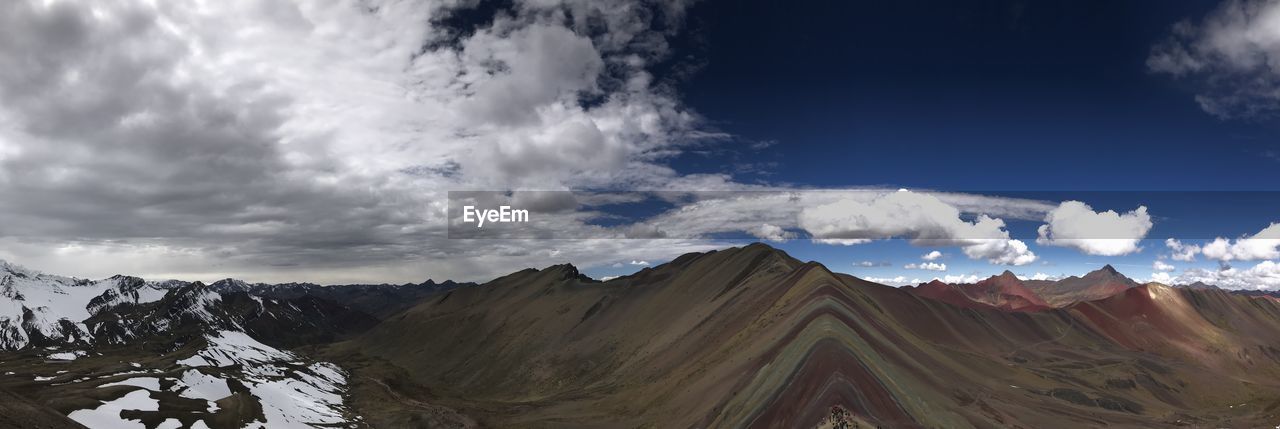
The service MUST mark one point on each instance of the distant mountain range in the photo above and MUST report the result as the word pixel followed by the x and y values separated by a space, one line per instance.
pixel 744 337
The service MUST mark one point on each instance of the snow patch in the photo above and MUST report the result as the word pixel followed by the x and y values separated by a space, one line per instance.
pixel 107 415
pixel 227 348
pixel 72 355
pixel 203 386
pixel 151 383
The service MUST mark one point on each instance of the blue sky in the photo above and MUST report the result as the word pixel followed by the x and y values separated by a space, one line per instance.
pixel 1000 96
pixel 1049 100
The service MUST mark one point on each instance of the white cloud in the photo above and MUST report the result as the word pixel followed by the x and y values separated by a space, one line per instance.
pixel 1263 245
pixel 1181 251
pixel 892 281
pixel 1162 266
pixel 1075 224
pixel 922 218
pixel 640 263
pixel 931 256
pixel 771 232
pixel 1231 54
pixel 931 266
pixel 1264 275
pixel 869 264
pixel 1040 276
pixel 841 241
pixel 1163 278
pixel 960 278
pixel 997 251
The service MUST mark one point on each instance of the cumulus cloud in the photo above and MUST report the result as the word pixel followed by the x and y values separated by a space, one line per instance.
pixel 770 232
pixel 1163 278
pixel 1231 54
pixel 1180 251
pixel 1263 245
pixel 641 263
pixel 1074 224
pixel 1162 266
pixel 922 218
pixel 931 266
pixel 931 256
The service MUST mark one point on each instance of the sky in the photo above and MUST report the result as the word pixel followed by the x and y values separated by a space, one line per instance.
pixel 279 140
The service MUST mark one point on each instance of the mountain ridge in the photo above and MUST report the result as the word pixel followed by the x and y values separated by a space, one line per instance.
pixel 751 337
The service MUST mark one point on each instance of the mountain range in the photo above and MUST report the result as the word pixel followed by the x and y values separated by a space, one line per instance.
pixel 742 337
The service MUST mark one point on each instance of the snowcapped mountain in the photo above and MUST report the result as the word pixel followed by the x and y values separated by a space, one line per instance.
pixel 133 350
pixel 43 309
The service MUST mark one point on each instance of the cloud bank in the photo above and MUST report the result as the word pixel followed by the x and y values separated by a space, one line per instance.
pixel 924 219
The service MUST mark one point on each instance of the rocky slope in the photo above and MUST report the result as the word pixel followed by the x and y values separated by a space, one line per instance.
pixel 1005 292
pixel 1097 284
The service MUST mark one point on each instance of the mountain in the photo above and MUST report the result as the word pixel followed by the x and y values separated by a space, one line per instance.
pixel 378 300
pixel 1197 285
pixel 1097 284
pixel 113 352
pixel 750 337
pixel 742 337
pixel 1004 291
pixel 38 309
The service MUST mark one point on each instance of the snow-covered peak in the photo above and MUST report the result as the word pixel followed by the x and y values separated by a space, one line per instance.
pixel 47 308
pixel 9 268
pixel 231 285
pixel 12 270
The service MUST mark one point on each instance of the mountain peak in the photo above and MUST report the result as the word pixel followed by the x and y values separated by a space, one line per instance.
pixel 1107 272
pixel 11 268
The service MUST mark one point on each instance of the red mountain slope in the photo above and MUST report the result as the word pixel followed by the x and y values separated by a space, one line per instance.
pixel 1005 292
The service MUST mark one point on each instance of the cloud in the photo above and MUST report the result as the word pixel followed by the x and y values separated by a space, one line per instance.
pixel 959 278
pixel 318 144
pixel 1074 224
pixel 771 232
pixel 1265 276
pixel 922 218
pixel 1231 55
pixel 1162 266
pixel 892 281
pixel 640 263
pixel 1040 276
pixel 931 266
pixel 870 264
pixel 1263 245
pixel 931 256
pixel 1163 278
pixel 1180 251
pixel 841 241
